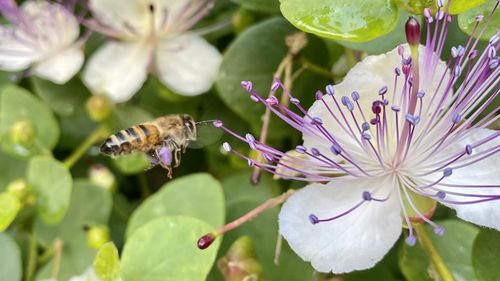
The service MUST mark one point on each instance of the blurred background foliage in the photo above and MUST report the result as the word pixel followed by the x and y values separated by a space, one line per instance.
pixel 61 201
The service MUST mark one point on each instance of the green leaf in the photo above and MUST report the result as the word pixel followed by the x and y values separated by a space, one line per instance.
pixel 10 259
pixel 107 263
pixel 351 20
pixel 90 205
pixel 244 60
pixel 241 197
pixel 51 183
pixel 63 99
pixel 197 195
pixel 165 249
pixel 455 248
pixel 263 6
pixel 467 20
pixel 10 206
pixel 457 6
pixel 11 168
pixel 17 104
pixel 384 43
pixel 485 255
pixel 132 163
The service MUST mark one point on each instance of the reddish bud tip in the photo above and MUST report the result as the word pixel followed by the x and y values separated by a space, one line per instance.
pixel 205 241
pixel 412 29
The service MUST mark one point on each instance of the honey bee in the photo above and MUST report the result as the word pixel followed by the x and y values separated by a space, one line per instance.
pixel 159 140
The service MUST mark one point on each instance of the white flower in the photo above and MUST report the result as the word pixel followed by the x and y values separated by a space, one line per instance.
pixel 398 130
pixel 150 36
pixel 43 37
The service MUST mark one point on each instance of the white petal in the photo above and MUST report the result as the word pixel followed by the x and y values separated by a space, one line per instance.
pixel 130 16
pixel 15 55
pixel 355 241
pixel 485 172
pixel 60 67
pixel 187 64
pixel 117 70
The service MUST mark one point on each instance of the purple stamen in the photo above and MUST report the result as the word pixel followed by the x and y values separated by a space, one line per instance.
pixel 316 121
pixel 456 118
pixel 247 85
pixel 395 108
pixel 318 95
pixel 420 94
pixel 367 196
pixel 295 101
pixel 411 240
pixel 382 90
pixel 365 126
pixel 217 123
pixel 355 96
pixel 329 90
pixel 275 86
pixel 336 149
pixel 226 146
pixel 468 149
pixel 272 100
pixel 313 219
pixel 301 149
pixel 447 172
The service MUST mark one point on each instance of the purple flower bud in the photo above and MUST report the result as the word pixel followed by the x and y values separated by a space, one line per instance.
pixel 412 29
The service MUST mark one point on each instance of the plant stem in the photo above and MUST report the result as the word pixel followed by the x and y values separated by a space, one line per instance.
pixel 433 253
pixel 32 258
pixel 56 261
pixel 95 136
pixel 317 68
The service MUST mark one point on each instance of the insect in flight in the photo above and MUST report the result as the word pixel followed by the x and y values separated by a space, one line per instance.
pixel 158 139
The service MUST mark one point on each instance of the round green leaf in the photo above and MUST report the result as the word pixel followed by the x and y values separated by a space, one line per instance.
pixel 460 6
pixel 197 195
pixel 455 247
pixel 352 20
pixel 165 249
pixel 51 183
pixel 467 20
pixel 263 6
pixel 241 197
pixel 10 259
pixel 63 99
pixel 457 6
pixel 11 168
pixel 17 104
pixel 485 255
pixel 132 163
pixel 10 205
pixel 107 263
pixel 90 205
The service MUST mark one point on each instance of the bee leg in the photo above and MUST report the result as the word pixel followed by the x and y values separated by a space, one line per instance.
pixel 153 159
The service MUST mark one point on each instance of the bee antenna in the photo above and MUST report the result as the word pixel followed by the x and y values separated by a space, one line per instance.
pixel 204 122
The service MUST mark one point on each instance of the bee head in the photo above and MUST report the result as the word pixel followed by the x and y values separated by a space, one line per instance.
pixel 190 126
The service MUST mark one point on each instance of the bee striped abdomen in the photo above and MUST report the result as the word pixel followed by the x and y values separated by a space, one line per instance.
pixel 141 137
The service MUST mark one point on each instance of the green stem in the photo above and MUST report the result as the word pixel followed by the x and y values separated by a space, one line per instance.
pixel 351 58
pixel 433 253
pixel 98 134
pixel 32 258
pixel 143 182
pixel 316 68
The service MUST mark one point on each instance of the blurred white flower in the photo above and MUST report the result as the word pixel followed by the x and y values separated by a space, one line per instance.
pixel 150 36
pixel 41 36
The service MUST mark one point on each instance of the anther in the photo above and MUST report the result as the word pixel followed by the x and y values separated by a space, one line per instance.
pixel 301 149
pixel 268 157
pixel 456 118
pixel 365 126
pixel 457 70
pixel 412 119
pixel 366 136
pixel 441 194
pixel 397 71
pixel 427 13
pixel 294 101
pixel 316 121
pixel 411 240
pixel 275 86
pixel 494 39
pixel 382 90
pixel 479 18
pixel 395 108
pixel 420 94
pixel 355 96
pixel 439 231
pixel 440 3
pixel 151 8
pixel 315 151
pixel 250 162
pixel 272 100
pixel 367 196
pixel 249 137
pixel 226 146
pixel 313 219
pixel 330 90
pixel 493 63
pixel 254 97
pixel 217 123
pixel 492 52
pixel 318 95
pixel 447 172
pixel 247 85
pixel 336 149
pixel 468 149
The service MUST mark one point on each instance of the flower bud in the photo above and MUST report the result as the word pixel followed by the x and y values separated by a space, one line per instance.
pixel 98 107
pixel 22 191
pixel 239 263
pixel 412 29
pixel 23 133
pixel 97 236
pixel 242 19
pixel 101 176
